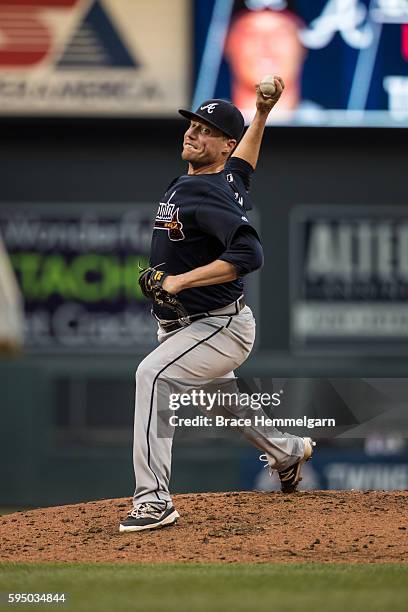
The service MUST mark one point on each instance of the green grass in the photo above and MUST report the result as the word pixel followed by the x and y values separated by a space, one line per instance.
pixel 196 588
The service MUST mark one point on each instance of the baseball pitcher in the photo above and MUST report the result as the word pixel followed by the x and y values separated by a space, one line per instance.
pixel 203 244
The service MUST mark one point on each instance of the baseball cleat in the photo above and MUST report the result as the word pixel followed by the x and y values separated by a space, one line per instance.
pixel 148 516
pixel 291 477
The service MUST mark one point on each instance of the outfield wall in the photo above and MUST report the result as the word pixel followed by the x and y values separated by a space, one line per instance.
pixel 69 163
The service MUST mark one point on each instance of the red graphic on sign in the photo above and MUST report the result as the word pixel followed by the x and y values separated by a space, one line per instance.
pixel 38 3
pixel 24 37
pixel 405 41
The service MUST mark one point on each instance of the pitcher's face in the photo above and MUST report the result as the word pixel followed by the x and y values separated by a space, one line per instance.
pixel 204 144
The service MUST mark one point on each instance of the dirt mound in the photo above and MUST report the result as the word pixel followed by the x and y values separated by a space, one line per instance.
pixel 224 527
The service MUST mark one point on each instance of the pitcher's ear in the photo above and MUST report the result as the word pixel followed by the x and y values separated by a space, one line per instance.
pixel 232 143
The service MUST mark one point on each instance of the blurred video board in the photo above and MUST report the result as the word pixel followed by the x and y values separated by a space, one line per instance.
pixel 344 62
pixel 94 57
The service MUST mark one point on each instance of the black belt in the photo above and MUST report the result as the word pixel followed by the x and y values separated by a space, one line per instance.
pixel 169 326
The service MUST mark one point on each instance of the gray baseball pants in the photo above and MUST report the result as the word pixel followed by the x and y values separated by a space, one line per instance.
pixel 207 349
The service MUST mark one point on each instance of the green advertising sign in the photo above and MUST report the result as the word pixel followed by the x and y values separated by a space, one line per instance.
pixel 77 267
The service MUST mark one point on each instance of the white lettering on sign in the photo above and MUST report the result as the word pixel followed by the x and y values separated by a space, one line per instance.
pixel 366 476
pixel 29 232
pixel 389 11
pixel 258 5
pixel 348 17
pixel 357 250
pixel 397 89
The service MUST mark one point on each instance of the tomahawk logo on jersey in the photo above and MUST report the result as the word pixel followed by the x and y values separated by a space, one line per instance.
pixel 167 218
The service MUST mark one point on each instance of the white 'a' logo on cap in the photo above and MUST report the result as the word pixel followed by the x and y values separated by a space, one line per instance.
pixel 209 107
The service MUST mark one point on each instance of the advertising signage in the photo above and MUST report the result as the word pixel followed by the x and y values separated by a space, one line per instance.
pixel 77 267
pixel 349 278
pixel 97 58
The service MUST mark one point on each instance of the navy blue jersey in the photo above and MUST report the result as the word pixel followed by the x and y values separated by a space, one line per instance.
pixel 195 224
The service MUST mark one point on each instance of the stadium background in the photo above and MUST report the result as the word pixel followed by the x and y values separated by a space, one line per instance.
pixel 67 409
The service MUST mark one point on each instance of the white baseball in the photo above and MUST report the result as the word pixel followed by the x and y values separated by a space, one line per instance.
pixel 267 86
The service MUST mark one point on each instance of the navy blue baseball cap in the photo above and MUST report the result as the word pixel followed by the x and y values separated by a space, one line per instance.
pixel 221 114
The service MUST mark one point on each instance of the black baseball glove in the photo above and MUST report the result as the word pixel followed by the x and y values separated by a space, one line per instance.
pixel 151 283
